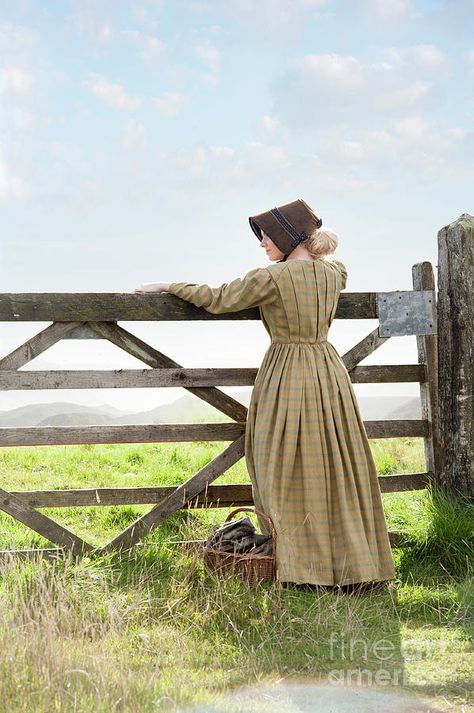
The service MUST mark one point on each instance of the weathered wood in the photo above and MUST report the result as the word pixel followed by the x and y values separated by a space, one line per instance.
pixel 114 307
pixel 124 378
pixel 146 353
pixel 37 344
pixel 362 349
pixel 396 428
pixel 399 482
pixel 456 355
pixel 215 496
pixel 127 433
pixel 427 347
pixel 395 537
pixel 85 309
pixel 41 524
pixel 182 495
pixel 387 373
pixel 153 378
pixel 174 433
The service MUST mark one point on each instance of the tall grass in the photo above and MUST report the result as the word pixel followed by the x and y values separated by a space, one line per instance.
pixel 152 629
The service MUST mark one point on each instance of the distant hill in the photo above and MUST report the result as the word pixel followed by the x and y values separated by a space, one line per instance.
pixel 40 414
pixel 186 409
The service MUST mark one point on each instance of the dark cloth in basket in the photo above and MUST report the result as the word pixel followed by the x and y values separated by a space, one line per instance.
pixel 240 536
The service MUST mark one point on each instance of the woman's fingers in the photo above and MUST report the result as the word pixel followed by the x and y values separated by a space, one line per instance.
pixel 152 287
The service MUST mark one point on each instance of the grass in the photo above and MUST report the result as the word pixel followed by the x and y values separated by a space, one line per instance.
pixel 153 630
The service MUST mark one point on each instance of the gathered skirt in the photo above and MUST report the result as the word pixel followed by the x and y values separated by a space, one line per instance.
pixel 312 469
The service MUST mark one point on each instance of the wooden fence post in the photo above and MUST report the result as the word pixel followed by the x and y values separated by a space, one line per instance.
pixel 456 355
pixel 423 279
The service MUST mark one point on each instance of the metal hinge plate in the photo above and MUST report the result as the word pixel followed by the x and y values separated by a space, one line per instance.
pixel 406 312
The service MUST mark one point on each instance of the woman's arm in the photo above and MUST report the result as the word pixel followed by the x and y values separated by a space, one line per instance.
pixel 257 287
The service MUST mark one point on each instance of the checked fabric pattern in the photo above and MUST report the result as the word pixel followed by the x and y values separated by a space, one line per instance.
pixel 306 448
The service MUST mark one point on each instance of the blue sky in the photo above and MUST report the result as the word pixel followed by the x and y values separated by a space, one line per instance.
pixel 137 137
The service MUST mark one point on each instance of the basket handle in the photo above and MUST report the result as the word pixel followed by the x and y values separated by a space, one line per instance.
pixel 257 512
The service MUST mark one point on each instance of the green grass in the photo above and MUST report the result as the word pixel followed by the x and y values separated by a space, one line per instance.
pixel 152 629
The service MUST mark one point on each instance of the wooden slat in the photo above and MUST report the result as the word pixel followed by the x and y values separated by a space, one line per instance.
pixel 153 378
pixel 396 428
pixel 182 495
pixel 41 524
pixel 174 433
pixel 218 495
pixel 395 537
pixel 127 433
pixel 399 482
pixel 213 496
pixel 113 307
pixel 362 349
pixel 37 344
pixel 124 378
pixel 387 373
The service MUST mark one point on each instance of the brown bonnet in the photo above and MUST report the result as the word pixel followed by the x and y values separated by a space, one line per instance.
pixel 287 226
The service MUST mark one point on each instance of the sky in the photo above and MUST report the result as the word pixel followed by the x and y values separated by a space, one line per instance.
pixel 137 137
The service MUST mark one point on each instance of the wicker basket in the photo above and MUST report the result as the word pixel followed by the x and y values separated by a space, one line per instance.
pixel 252 569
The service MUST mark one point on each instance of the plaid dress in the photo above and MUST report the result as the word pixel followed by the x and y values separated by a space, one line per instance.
pixel 306 448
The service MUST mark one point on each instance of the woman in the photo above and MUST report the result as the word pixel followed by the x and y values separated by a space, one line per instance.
pixel 306 448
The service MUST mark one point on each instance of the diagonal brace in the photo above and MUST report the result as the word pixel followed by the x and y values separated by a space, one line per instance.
pixel 42 524
pixel 183 494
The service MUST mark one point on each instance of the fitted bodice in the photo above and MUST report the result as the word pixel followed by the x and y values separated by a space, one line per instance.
pixel 308 293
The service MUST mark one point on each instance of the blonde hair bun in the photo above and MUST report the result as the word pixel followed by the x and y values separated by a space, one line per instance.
pixel 322 241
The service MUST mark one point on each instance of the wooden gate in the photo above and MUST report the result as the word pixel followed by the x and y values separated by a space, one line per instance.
pixel 86 316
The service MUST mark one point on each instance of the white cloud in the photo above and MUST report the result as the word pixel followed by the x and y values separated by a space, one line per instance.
pixel 112 94
pixel 221 166
pixel 15 41
pixel 282 19
pixel 266 154
pixel 470 60
pixel 209 54
pixel 11 186
pixel 222 151
pixel 410 145
pixel 269 123
pixel 342 72
pixel 15 80
pixel 389 10
pixel 151 48
pixel 319 90
pixel 208 78
pixel 193 161
pixel 91 24
pixel 412 128
pixel 352 150
pixel 169 103
pixel 420 58
pixel 135 135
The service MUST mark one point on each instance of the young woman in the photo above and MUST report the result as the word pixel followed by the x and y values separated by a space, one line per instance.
pixel 306 448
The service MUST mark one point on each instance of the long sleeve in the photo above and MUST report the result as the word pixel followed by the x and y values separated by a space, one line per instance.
pixel 342 269
pixel 255 288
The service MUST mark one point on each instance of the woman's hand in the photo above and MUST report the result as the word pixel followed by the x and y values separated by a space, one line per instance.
pixel 152 287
